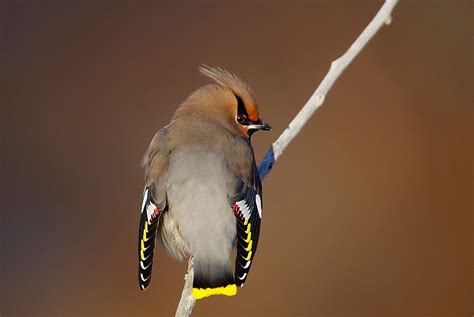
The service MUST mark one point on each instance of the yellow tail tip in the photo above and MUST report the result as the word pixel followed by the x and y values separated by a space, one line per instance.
pixel 229 290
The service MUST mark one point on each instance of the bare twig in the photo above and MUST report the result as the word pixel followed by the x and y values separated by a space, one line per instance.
pixel 187 301
pixel 316 100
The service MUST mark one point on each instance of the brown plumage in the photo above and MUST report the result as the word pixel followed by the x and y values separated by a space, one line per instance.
pixel 202 176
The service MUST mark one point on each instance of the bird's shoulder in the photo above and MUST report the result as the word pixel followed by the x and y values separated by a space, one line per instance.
pixel 156 157
pixel 241 161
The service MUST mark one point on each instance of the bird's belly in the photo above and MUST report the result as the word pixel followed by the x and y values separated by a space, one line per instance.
pixel 197 198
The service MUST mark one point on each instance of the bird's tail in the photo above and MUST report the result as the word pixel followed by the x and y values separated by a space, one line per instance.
pixel 212 279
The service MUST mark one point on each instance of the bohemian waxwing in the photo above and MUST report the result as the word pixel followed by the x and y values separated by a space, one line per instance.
pixel 203 193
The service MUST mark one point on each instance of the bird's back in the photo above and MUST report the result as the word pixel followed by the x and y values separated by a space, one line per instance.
pixel 197 197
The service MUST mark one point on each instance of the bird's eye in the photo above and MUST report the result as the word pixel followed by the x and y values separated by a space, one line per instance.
pixel 240 118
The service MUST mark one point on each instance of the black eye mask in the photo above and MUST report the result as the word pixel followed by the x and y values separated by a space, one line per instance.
pixel 242 115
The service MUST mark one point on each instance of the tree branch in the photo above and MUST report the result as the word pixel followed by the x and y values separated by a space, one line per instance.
pixel 187 302
pixel 317 99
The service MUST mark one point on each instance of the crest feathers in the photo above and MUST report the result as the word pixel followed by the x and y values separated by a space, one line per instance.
pixel 228 80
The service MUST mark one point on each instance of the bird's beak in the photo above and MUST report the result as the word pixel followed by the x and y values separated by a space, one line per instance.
pixel 260 125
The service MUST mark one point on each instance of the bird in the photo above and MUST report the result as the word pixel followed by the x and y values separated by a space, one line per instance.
pixel 203 195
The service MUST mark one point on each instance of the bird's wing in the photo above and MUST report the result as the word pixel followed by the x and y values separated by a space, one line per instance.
pixel 149 218
pixel 246 202
pixel 153 205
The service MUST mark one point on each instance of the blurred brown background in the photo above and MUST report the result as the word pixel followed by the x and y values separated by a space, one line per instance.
pixel 368 212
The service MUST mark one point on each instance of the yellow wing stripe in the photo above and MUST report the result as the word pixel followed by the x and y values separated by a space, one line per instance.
pixel 249 236
pixel 248 228
pixel 145 230
pixel 249 256
pixel 229 290
pixel 249 241
pixel 249 247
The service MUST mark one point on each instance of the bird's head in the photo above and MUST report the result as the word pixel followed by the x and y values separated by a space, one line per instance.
pixel 234 102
